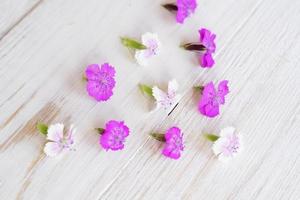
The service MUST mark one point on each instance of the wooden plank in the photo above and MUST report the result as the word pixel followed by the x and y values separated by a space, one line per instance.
pixel 41 63
pixel 13 12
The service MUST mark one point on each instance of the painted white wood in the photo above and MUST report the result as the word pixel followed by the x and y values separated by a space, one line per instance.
pixel 41 64
pixel 12 13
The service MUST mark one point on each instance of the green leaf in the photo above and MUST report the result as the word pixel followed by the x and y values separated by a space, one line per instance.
pixel 211 137
pixel 158 136
pixel 146 90
pixel 43 128
pixel 131 43
pixel 100 130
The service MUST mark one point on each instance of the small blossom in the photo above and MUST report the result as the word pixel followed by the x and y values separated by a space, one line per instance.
pixel 185 8
pixel 59 141
pixel 174 143
pixel 205 47
pixel 168 100
pixel 228 145
pixel 114 135
pixel 150 40
pixel 173 139
pixel 211 99
pixel 100 81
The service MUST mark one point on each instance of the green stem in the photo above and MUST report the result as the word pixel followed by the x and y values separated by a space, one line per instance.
pixel 211 137
pixel 131 43
pixel 199 88
pixel 43 128
pixel 158 136
pixel 100 130
pixel 84 78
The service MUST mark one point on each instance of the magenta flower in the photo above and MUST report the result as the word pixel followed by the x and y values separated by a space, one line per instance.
pixel 100 81
pixel 185 8
pixel 205 47
pixel 174 143
pixel 211 99
pixel 208 40
pixel 113 136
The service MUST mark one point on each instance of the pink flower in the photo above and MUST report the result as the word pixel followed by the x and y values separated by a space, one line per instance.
pixel 100 81
pixel 206 60
pixel 228 145
pixel 184 9
pixel 58 140
pixel 207 39
pixel 114 135
pixel 211 99
pixel 174 143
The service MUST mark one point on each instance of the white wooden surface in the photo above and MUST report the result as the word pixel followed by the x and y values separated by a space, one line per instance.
pixel 45 47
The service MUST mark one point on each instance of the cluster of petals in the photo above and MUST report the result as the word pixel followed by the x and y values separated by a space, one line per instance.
pixel 114 135
pixel 207 39
pixel 228 145
pixel 212 98
pixel 153 46
pixel 166 100
pixel 58 140
pixel 174 143
pixel 100 81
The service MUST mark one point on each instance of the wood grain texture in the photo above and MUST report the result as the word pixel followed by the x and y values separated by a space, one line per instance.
pixel 43 57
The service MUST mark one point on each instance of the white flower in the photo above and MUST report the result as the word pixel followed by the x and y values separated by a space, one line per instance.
pixel 168 100
pixel 228 144
pixel 58 140
pixel 150 40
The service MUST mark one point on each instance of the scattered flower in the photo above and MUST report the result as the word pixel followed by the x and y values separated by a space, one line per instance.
pixel 100 81
pixel 205 48
pixel 113 136
pixel 148 48
pixel 173 139
pixel 211 99
pixel 184 9
pixel 227 145
pixel 168 100
pixel 59 141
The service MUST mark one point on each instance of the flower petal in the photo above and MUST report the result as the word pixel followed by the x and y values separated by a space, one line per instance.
pixel 223 90
pixel 52 149
pixel 211 110
pixel 172 88
pixel 55 132
pixel 141 58
pixel 158 94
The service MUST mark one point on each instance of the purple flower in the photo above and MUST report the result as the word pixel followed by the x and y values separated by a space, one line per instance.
pixel 206 60
pixel 174 143
pixel 208 40
pixel 114 135
pixel 100 81
pixel 185 8
pixel 212 99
